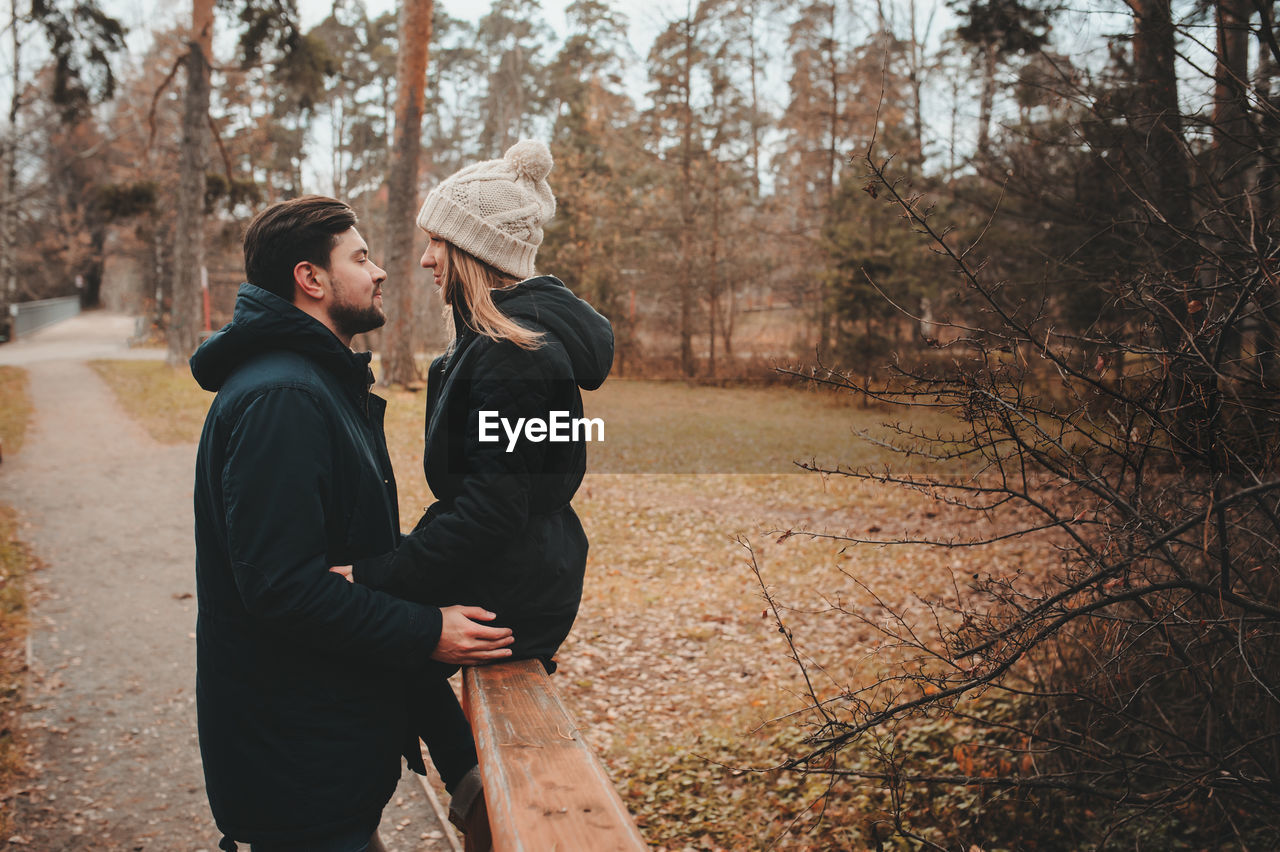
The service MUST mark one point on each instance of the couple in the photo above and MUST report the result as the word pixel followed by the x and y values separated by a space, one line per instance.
pixel 325 637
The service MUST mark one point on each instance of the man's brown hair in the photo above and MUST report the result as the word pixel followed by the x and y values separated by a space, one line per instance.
pixel 286 234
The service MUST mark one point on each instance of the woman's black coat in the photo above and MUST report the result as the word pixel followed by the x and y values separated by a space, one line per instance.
pixel 502 533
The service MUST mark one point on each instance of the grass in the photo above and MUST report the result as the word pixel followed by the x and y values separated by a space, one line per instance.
pixel 165 400
pixel 674 427
pixel 15 408
pixel 672 619
pixel 15 562
pixel 650 426
pixel 671 616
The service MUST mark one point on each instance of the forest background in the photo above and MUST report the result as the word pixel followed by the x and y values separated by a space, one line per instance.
pixel 1043 236
pixel 709 202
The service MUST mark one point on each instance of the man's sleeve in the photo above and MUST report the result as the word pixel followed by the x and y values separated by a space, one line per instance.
pixel 277 471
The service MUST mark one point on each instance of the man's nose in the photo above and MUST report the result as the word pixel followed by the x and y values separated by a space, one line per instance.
pixel 379 274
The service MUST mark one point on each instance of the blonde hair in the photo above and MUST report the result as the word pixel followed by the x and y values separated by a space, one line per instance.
pixel 469 281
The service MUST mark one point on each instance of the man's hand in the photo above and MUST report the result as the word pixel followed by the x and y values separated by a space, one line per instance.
pixel 344 571
pixel 466 642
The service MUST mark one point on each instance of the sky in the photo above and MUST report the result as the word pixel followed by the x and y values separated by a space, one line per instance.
pixel 645 18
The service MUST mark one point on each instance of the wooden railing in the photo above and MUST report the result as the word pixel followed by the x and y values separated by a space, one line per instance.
pixel 543 786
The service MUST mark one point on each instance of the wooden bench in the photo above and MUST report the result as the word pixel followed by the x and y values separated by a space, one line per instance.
pixel 544 787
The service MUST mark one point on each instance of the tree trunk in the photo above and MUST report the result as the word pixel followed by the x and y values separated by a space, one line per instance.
pixel 1264 188
pixel 833 156
pixel 728 317
pixel 754 61
pixel 687 364
pixel 915 157
pixel 9 163
pixel 1267 85
pixel 713 274
pixel 91 296
pixel 1233 155
pixel 188 233
pixel 1231 132
pixel 1156 154
pixel 1267 182
pixel 398 365
pixel 953 126
pixel 987 102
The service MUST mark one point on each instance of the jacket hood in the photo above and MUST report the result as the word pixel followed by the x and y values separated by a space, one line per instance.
pixel 264 322
pixel 587 336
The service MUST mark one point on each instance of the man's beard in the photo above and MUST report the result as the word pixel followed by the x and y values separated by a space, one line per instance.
pixel 351 320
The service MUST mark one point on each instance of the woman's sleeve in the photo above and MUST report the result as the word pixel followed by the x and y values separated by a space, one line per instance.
pixel 492 504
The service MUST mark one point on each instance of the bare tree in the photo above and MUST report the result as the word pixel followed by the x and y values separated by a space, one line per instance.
pixel 188 255
pixel 9 163
pixel 81 40
pixel 1143 666
pixel 1135 675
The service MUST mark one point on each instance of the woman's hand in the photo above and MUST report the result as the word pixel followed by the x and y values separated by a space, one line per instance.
pixel 466 642
pixel 343 570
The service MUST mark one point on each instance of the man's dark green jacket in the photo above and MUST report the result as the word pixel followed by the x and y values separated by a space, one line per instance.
pixel 300 674
pixel 502 533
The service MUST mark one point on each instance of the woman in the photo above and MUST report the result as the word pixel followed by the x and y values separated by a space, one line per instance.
pixel 502 533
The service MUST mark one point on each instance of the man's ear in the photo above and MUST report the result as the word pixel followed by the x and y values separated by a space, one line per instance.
pixel 307 279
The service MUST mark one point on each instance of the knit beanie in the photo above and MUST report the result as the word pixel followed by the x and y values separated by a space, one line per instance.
pixel 495 210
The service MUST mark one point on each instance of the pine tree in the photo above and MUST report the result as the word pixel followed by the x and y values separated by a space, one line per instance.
pixel 590 240
pixel 511 37
pixel 398 366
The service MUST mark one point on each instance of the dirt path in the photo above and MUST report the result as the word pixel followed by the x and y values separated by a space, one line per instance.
pixel 111 712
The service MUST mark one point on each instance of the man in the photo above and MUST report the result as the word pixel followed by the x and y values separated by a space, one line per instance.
pixel 302 676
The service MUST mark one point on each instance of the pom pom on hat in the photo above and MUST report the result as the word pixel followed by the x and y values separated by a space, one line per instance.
pixel 531 158
pixel 495 210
